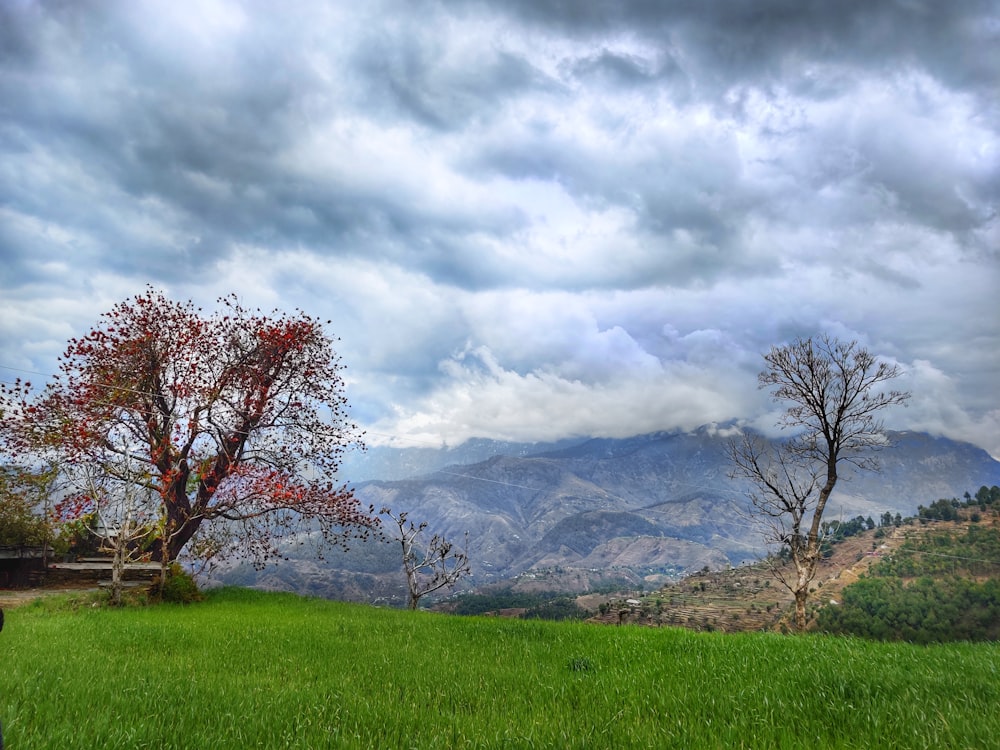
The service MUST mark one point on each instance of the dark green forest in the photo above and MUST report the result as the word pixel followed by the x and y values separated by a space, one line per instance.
pixel 545 605
pixel 942 584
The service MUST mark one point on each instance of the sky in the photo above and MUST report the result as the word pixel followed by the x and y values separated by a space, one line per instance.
pixel 526 220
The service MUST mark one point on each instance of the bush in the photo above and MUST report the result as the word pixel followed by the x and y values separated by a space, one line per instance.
pixel 19 527
pixel 180 587
pixel 22 523
pixel 76 538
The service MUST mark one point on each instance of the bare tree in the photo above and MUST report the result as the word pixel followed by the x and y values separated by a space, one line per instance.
pixel 435 567
pixel 126 516
pixel 835 392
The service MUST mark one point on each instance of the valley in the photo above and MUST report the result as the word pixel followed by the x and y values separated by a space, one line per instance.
pixel 633 513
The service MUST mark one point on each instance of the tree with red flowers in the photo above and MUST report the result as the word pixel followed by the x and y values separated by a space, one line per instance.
pixel 236 421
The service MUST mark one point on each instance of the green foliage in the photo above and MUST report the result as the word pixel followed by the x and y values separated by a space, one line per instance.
pixel 179 588
pixel 972 552
pixel 249 669
pixel 543 605
pixel 77 538
pixel 20 527
pixel 988 495
pixel 835 531
pixel 987 498
pixel 560 608
pixel 946 599
pixel 939 510
pixel 21 522
pixel 925 611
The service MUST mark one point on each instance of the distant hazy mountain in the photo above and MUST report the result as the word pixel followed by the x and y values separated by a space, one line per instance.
pixel 388 463
pixel 581 513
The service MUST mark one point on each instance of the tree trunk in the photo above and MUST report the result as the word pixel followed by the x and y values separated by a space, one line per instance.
pixel 179 538
pixel 176 535
pixel 171 542
pixel 801 594
pixel 806 566
pixel 117 571
pixel 412 583
pixel 805 553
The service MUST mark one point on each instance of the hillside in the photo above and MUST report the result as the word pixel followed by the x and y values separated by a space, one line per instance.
pixel 637 512
pixel 941 584
pixel 857 588
pixel 745 598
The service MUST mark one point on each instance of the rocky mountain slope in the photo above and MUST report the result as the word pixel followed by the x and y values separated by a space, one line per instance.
pixel 638 511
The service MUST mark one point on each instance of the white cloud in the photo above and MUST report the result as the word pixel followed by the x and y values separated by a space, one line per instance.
pixel 522 222
pixel 936 407
pixel 480 397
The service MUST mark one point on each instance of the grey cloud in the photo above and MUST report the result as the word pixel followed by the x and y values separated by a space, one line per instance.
pixel 208 148
pixel 685 193
pixel 614 69
pixel 565 207
pixel 769 39
pixel 624 70
pixel 412 76
pixel 203 151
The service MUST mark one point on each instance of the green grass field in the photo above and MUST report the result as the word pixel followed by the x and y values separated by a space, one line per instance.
pixel 251 670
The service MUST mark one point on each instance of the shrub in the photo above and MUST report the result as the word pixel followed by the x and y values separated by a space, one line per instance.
pixel 22 521
pixel 76 538
pixel 179 588
pixel 20 527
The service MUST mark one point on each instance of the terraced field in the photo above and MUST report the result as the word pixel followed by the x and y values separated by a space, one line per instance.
pixel 749 598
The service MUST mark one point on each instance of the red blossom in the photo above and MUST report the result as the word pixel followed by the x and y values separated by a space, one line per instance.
pixel 223 411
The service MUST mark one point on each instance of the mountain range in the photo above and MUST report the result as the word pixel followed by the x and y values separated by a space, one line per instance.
pixel 575 515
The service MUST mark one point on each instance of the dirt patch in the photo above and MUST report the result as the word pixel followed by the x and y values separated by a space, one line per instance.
pixel 12 598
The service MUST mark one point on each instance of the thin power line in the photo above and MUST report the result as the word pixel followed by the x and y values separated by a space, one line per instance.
pixel 29 372
pixel 484 479
pixel 953 557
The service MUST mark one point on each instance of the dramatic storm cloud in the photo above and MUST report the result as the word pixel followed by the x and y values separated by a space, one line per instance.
pixel 526 220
